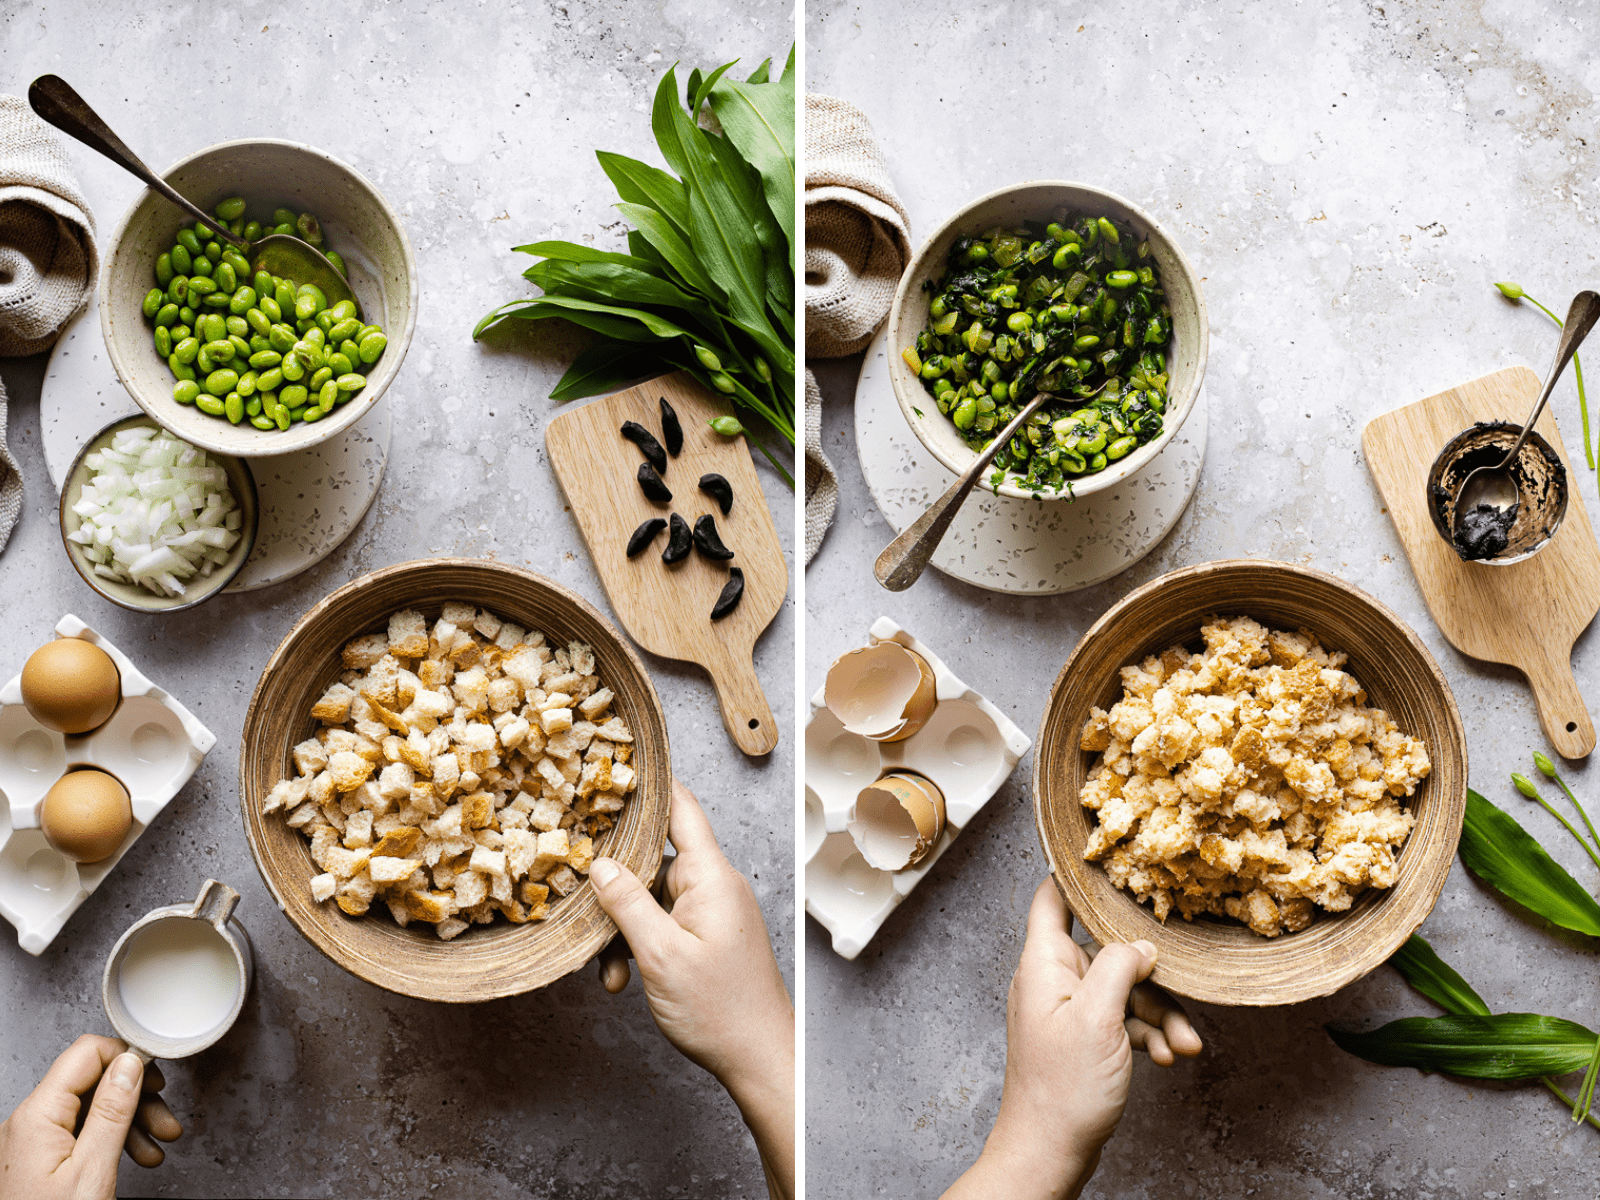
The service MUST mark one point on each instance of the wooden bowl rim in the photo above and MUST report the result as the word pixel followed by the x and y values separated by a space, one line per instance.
pixel 466 989
pixel 1261 991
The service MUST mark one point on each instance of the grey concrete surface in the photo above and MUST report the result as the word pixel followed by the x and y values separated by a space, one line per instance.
pixel 479 123
pixel 1349 178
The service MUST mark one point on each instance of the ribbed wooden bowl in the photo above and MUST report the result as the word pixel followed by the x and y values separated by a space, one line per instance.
pixel 1220 961
pixel 485 961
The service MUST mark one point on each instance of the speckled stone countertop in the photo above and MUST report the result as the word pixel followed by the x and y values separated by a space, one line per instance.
pixel 479 124
pixel 1349 178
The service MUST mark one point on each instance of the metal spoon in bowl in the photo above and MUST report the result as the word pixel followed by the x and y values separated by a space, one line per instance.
pixel 1495 486
pixel 278 254
pixel 905 558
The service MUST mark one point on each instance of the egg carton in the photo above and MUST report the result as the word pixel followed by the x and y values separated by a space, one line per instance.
pixel 968 748
pixel 152 744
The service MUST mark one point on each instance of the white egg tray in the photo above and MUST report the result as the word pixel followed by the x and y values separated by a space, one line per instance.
pixel 968 748
pixel 152 744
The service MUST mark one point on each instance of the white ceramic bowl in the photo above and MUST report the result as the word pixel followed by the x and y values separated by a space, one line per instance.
pixel 358 223
pixel 1037 201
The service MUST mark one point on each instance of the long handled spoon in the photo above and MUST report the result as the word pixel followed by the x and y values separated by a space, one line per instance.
pixel 278 254
pixel 905 558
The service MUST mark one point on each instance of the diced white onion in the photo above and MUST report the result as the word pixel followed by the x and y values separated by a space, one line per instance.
pixel 155 511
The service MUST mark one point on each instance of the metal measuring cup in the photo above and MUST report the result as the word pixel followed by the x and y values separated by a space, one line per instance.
pixel 214 905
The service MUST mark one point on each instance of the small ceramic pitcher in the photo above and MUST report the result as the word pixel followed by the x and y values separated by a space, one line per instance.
pixel 214 905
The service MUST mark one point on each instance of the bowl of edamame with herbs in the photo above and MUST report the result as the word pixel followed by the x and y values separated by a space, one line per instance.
pixel 238 360
pixel 1056 287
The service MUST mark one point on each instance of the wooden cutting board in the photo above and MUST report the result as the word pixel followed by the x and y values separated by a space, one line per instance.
pixel 1526 615
pixel 667 609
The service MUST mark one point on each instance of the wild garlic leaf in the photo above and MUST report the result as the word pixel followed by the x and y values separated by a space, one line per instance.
pixel 674 250
pixel 605 368
pixel 1501 853
pixel 758 118
pixel 640 183
pixel 1434 978
pixel 1499 1046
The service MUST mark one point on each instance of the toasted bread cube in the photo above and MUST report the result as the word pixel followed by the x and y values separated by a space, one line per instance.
pixel 581 855
pixel 600 748
pixel 397 910
pixel 394 782
pixel 622 753
pixel 447 824
pixel 471 689
pixel 520 848
pixel 309 757
pixel 408 634
pixel 343 863
pixel 606 802
pixel 465 653
pixel 450 927
pixel 490 862
pixel 504 694
pixel 512 911
pixel 349 770
pixel 472 888
pixel 446 774
pixel 415 753
pixel 303 816
pixel 382 682
pixel 386 870
pixel 434 674
pixel 407 685
pixel 499 887
pixel 479 736
pixel 364 651
pixel 435 703
pixel 279 796
pixel 534 895
pixel 596 705
pixel 443 639
pixel 358 830
pixel 582 658
pixel 509 636
pixel 622 779
pixel 546 814
pixel 459 613
pixel 476 810
pixel 401 842
pixel 487 624
pixel 562 881
pixel 596 777
pixel 554 720
pixel 615 731
pixel 429 906
pixel 334 706
pixel 525 665
pixel 551 853
pixel 383 714
pixel 323 886
pixel 513 733
pixel 482 913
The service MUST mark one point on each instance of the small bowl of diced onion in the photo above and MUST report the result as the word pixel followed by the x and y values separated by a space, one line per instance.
pixel 153 523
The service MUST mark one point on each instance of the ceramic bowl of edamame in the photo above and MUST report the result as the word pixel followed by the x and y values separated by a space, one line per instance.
pixel 1049 286
pixel 234 360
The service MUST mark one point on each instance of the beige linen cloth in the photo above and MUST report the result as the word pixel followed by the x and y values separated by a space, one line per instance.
pixel 858 241
pixel 48 260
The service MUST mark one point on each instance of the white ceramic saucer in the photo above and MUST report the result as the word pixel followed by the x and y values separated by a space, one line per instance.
pixel 1028 547
pixel 310 501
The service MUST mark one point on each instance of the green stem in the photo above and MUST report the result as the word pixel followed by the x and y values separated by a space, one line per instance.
pixel 1568 1100
pixel 782 470
pixel 1586 1091
pixel 1581 811
pixel 1577 367
pixel 1572 829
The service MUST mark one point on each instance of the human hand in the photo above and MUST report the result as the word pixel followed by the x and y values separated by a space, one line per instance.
pixel 50 1149
pixel 709 975
pixel 1072 1025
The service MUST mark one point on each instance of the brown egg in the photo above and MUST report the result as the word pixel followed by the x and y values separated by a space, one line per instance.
pixel 86 815
pixel 71 685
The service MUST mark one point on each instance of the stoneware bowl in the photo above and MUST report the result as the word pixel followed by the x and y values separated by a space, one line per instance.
pixel 1223 962
pixel 358 223
pixel 241 482
pixel 485 961
pixel 1037 201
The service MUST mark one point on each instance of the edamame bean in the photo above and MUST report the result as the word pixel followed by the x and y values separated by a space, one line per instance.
pixel 327 397
pixel 309 301
pixel 264 359
pixel 244 300
pixel 168 315
pixel 257 320
pixel 310 228
pixel 1122 279
pixel 181 370
pixel 247 384
pixel 186 315
pixel 269 308
pixel 1121 448
pixel 252 231
pixel 283 293
pixel 230 209
pixel 232 258
pixel 213 251
pixel 351 382
pixel 319 377
pixel 201 286
pixel 293 396
pixel 187 349
pixel 233 408
pixel 316 337
pixel 965 413
pixel 338 263
pixel 225 279
pixel 219 352
pixel 240 346
pixel 221 381
pixel 270 379
pixel 340 364
pixel 372 346
pixel 178 289
pixel 211 405
pixel 203 266
pixel 164 271
pixel 163 341
pixel 293 369
pixel 154 299
pixel 263 423
pixel 188 241
pixel 351 351
pixel 282 216
pixel 342 329
pixel 186 391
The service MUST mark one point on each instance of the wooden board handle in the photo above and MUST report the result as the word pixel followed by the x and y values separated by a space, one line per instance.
pixel 745 711
pixel 1562 712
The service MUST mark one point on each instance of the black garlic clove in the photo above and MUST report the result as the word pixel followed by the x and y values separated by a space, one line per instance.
pixel 650 483
pixel 644 535
pixel 719 489
pixel 670 429
pixel 707 541
pixel 646 441
pixel 678 541
pixel 732 593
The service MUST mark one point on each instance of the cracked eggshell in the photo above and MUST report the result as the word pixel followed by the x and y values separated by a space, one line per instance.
pixel 884 692
pixel 896 821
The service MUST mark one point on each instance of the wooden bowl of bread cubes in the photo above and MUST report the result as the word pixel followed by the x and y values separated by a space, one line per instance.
pixel 431 760
pixel 1215 776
